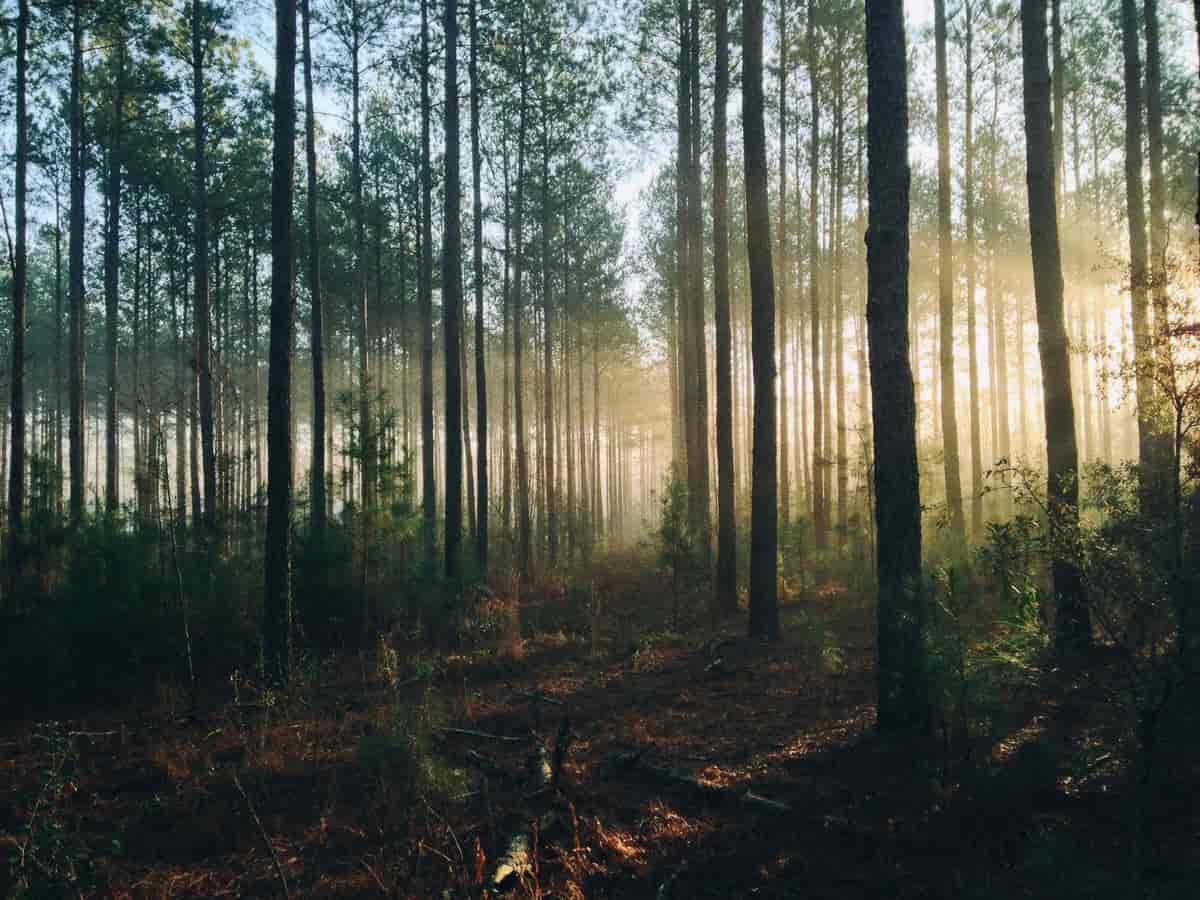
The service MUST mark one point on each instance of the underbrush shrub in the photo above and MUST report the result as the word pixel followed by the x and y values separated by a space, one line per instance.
pixel 986 637
pixel 109 618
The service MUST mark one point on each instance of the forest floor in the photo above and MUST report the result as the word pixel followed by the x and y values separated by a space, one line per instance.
pixel 357 783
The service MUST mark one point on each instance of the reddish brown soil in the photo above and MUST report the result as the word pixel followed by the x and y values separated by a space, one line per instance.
pixel 866 818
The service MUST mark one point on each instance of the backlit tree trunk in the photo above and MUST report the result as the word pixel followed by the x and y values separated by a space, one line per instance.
pixel 726 594
pixel 1072 623
pixel 452 303
pixel 764 613
pixel 946 284
pixel 903 701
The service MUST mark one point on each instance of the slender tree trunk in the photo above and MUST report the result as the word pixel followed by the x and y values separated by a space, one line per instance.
pixel 683 162
pixel 58 342
pixel 452 303
pixel 200 266
pixel 903 700
pixel 366 433
pixel 112 257
pixel 994 295
pixel 839 315
pixel 481 411
pixel 316 313
pixel 1158 200
pixel 16 469
pixel 969 204
pixel 75 264
pixel 548 473
pixel 428 482
pixel 785 485
pixel 277 596
pixel 820 509
pixel 1136 211
pixel 946 284
pixel 726 594
pixel 1072 625
pixel 506 342
pixel 764 613
pixel 699 481
pixel 525 548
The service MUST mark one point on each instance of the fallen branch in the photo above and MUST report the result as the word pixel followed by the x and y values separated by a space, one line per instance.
pixel 266 840
pixel 488 766
pixel 518 861
pixel 483 735
pixel 765 804
pixel 539 697
pixel 628 762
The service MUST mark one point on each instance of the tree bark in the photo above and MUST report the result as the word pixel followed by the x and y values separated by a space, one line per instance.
pixel 764 612
pixel 425 301
pixel 820 464
pixel 200 252
pixel 699 480
pixel 316 312
pixel 481 411
pixel 452 303
pixel 112 261
pixel 1136 212
pixel 946 285
pixel 726 593
pixel 903 699
pixel 16 467
pixel 277 595
pixel 524 541
pixel 75 265
pixel 969 204
pixel 785 485
pixel 1072 622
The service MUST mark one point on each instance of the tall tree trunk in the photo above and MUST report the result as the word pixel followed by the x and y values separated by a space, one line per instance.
pixel 839 313
pixel 506 343
pixel 428 482
pixel 903 700
pixel 200 266
pixel 726 594
pixel 946 284
pixel 112 262
pixel 481 416
pixel 75 264
pixel 1158 200
pixel 699 481
pixel 316 313
pixel 58 342
pixel 764 612
pixel 1136 212
pixel 548 474
pixel 277 595
pixel 969 204
pixel 820 509
pixel 994 296
pixel 683 163
pixel 452 303
pixel 366 433
pixel 785 484
pixel 1072 622
pixel 524 548
pixel 16 468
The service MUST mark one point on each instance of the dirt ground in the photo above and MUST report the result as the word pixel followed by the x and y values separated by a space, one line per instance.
pixel 660 740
